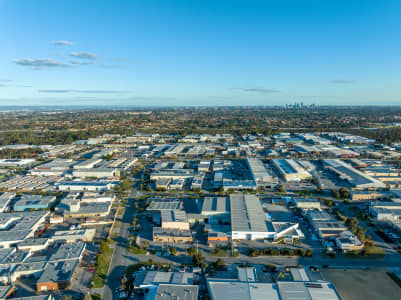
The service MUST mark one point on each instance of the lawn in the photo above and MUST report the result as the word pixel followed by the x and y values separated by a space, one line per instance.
pixel 103 263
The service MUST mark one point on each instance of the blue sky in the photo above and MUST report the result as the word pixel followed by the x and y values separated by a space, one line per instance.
pixel 152 53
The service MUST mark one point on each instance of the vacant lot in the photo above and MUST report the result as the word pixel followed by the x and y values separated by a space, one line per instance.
pixel 363 284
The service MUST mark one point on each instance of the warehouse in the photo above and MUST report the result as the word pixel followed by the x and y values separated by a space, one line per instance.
pixel 259 173
pixel 55 167
pixel 174 236
pixel 177 184
pixel 173 292
pixel 386 211
pixel 369 195
pixel 70 251
pixel 233 184
pixel 82 186
pixel 34 244
pixel 174 219
pixel 306 203
pixel 69 236
pixel 29 183
pixel 158 205
pixel 88 164
pixel 215 206
pixel 163 183
pixel 240 290
pixel 28 269
pixel 248 221
pixel 149 279
pixel 95 209
pixel 96 173
pixel 347 241
pixel 204 166
pixel 175 149
pixel 197 181
pixel 290 170
pixel 34 202
pixel 355 178
pixel 172 174
pixel 56 276
pixel 307 290
pixel 14 163
pixel 25 224
pixel 216 210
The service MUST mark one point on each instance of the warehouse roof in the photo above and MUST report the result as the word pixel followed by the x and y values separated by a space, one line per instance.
pixel 174 216
pixel 216 204
pixel 237 290
pixel 174 292
pixel 306 291
pixel 69 251
pixel 247 213
pixel 157 277
pixel 58 271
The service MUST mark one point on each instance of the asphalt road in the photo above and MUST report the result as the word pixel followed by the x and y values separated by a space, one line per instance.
pixel 121 257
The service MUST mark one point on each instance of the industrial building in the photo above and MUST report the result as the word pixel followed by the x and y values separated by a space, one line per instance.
pixel 174 219
pixel 354 177
pixel 172 174
pixel 347 241
pixel 56 167
pixel 215 209
pixel 69 236
pixel 150 279
pixel 248 221
pixel 248 287
pixel 173 236
pixel 56 276
pixel 290 170
pixel 16 163
pixel 33 202
pixel 29 183
pixel 306 203
pixel 173 292
pixel 18 226
pixel 96 173
pixel 324 224
pixel 259 173
pixel 82 186
pixel 175 149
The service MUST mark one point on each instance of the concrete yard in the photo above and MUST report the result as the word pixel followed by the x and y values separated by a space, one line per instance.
pixel 367 284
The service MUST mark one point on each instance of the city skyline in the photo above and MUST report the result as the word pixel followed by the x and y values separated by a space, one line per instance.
pixel 225 53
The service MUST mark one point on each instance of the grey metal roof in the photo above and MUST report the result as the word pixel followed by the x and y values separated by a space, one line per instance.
pixel 33 242
pixel 171 232
pixel 163 205
pixel 216 204
pixel 247 213
pixel 176 292
pixel 68 251
pixel 58 271
pixel 306 291
pixel 24 222
pixel 237 290
pixel 24 267
pixel 174 216
pixel 157 277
